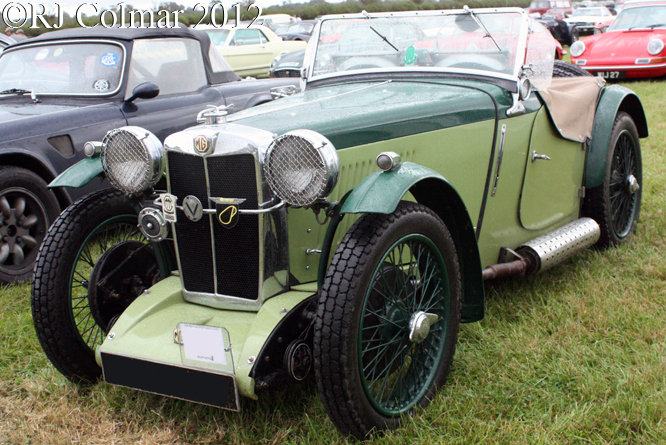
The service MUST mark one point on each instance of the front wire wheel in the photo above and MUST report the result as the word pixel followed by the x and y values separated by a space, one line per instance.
pixel 616 203
pixel 70 314
pixel 387 320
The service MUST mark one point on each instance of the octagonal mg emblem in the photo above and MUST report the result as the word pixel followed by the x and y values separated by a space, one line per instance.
pixel 201 145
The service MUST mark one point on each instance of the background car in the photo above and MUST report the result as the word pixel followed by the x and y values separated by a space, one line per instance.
pixel 541 6
pixel 553 19
pixel 5 41
pixel 427 169
pixel 585 19
pixel 250 51
pixel 299 31
pixel 61 89
pixel 288 65
pixel 631 47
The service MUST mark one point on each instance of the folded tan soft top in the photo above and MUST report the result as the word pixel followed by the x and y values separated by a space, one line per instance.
pixel 571 103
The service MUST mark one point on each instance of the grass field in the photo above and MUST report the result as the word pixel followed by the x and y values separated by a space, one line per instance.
pixel 574 355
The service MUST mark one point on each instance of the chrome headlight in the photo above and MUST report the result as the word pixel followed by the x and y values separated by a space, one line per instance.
pixel 301 166
pixel 577 48
pixel 655 46
pixel 133 159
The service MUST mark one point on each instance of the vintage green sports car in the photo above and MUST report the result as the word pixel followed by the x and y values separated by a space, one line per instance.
pixel 345 230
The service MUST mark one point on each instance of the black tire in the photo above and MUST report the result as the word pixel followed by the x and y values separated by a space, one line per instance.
pixel 68 327
pixel 27 209
pixel 575 35
pixel 566 69
pixel 354 316
pixel 616 203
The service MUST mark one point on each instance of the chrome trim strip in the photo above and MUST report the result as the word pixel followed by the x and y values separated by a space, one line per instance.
pixel 499 159
pixel 66 42
pixel 279 205
pixel 622 67
pixel 211 219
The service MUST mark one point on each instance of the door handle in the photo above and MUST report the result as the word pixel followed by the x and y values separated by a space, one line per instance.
pixel 536 156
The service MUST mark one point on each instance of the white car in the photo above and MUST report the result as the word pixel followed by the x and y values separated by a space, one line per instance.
pixel 585 19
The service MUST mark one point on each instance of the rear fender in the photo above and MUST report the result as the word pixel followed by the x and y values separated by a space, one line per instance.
pixel 382 191
pixel 613 99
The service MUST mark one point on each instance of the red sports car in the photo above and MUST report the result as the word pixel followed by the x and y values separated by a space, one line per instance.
pixel 632 47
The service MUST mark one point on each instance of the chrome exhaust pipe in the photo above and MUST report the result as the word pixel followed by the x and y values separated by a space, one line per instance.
pixel 548 250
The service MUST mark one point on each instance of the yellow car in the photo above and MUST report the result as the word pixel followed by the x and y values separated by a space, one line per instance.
pixel 250 51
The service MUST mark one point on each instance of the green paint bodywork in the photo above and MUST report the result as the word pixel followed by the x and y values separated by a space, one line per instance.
pixel 448 128
pixel 614 98
pixel 145 329
pixel 382 191
pixel 79 174
pixel 355 114
pixel 551 187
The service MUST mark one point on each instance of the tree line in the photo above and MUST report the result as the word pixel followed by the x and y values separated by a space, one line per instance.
pixel 306 11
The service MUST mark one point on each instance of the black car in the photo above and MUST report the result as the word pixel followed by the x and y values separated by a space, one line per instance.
pixel 299 31
pixel 288 65
pixel 561 30
pixel 64 88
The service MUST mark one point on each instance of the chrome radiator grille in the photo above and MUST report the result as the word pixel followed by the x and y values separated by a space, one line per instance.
pixel 230 255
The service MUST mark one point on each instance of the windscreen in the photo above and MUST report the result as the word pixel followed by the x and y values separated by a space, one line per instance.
pixel 63 68
pixel 640 17
pixel 463 41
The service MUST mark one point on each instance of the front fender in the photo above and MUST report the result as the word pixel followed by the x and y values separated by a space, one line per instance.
pixel 79 174
pixel 613 99
pixel 382 191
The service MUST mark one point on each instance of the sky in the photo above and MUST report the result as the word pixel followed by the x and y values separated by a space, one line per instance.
pixel 70 6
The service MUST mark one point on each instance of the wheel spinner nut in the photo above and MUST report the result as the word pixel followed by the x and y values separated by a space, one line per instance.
pixel 419 326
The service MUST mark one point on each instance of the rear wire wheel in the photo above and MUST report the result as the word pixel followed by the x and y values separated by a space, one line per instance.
pixel 388 318
pixel 616 203
pixel 71 314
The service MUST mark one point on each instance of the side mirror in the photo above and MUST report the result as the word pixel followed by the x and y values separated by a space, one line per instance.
pixel 146 90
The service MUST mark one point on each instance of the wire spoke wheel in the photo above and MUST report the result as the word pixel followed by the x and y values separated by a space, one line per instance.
pixel 93 264
pixel 615 204
pixel 387 319
pixel 396 372
pixel 110 233
pixel 622 192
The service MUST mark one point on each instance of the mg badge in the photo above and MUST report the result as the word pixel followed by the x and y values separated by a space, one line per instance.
pixel 226 211
pixel 169 206
pixel 201 144
pixel 192 208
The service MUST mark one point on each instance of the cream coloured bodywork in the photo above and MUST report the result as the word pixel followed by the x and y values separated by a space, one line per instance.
pixel 252 59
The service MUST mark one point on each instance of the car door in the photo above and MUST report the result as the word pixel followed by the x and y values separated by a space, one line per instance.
pixel 176 66
pixel 553 176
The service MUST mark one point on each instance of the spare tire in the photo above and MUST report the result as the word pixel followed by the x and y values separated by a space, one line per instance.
pixel 566 69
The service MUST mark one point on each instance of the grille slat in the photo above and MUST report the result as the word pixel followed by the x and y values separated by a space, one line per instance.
pixel 187 177
pixel 236 249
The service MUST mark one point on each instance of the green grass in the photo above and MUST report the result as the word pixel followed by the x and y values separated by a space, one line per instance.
pixel 574 355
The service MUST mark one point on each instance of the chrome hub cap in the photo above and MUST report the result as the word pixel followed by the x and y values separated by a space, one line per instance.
pixel 419 326
pixel 632 184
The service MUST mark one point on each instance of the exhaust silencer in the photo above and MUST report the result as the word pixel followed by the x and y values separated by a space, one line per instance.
pixel 548 250
pixel 559 245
